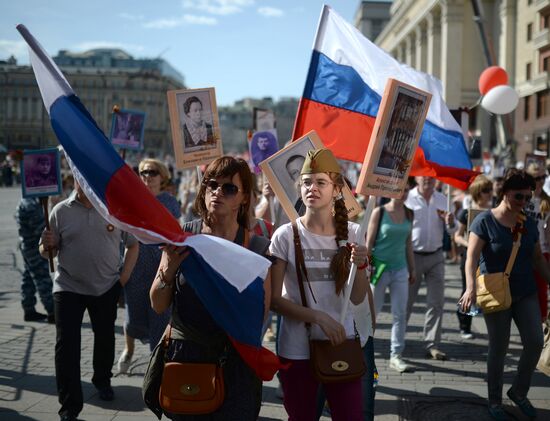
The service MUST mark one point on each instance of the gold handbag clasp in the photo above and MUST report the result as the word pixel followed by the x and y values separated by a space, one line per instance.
pixel 190 389
pixel 339 365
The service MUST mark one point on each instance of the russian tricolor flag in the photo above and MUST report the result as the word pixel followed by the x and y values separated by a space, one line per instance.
pixel 227 278
pixel 344 87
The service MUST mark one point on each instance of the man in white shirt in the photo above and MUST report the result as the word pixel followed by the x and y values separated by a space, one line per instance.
pixel 430 220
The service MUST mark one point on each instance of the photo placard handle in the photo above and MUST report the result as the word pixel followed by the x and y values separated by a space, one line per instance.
pixel 44 202
pixel 353 271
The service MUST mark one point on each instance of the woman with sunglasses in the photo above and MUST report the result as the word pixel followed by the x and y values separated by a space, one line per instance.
pixel 222 203
pixel 329 243
pixel 141 322
pixel 490 245
pixel 539 209
pixel 481 192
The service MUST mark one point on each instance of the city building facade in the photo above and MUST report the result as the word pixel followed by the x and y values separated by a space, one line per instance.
pixel 102 78
pixel 441 37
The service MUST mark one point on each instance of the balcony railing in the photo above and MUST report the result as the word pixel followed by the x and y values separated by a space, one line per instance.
pixel 542 39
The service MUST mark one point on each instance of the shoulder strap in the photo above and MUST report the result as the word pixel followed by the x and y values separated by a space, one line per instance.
pixel 263 227
pixel 379 222
pixel 300 269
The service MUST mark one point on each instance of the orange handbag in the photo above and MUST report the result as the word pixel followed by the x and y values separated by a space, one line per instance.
pixel 191 388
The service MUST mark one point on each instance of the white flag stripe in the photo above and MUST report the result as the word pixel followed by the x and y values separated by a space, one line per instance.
pixel 51 82
pixel 344 44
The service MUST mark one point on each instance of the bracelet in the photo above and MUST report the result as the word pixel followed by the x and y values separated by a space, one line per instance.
pixel 162 277
pixel 364 265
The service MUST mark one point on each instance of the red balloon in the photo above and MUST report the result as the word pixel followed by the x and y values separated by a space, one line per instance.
pixel 491 77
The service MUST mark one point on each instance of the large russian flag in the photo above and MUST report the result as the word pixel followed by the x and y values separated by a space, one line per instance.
pixel 343 90
pixel 227 278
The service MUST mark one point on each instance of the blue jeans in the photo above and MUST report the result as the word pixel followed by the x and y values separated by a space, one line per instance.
pixel 367 385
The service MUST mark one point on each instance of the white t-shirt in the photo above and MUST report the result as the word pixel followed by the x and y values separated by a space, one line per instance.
pixel 318 252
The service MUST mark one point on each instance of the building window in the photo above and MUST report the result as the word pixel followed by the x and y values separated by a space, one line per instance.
pixel 528 71
pixel 529 32
pixel 544 21
pixel 543 108
pixel 546 64
pixel 526 104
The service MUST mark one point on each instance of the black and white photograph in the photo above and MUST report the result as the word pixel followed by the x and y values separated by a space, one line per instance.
pixel 262 145
pixel 264 119
pixel 127 129
pixel 283 173
pixel 40 173
pixel 195 126
pixel 399 143
pixel 394 140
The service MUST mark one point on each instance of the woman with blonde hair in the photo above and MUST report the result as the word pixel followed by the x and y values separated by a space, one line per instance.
pixel 481 192
pixel 141 322
pixel 329 242
pixel 539 209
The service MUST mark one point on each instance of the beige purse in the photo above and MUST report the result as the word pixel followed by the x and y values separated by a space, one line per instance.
pixel 493 289
pixel 544 360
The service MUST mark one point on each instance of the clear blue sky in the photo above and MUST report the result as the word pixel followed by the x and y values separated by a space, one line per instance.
pixel 244 48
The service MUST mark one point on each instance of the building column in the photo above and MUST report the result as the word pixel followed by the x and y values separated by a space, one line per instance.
pixel 421 48
pixel 506 45
pixel 410 50
pixel 452 18
pixel 433 59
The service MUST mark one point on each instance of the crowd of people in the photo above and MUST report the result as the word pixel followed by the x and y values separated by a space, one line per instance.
pixel 404 249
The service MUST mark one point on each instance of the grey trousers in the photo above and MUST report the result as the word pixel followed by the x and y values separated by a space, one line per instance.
pixel 431 270
pixel 526 316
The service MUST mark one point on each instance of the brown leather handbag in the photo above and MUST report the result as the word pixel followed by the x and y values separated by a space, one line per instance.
pixel 330 364
pixel 191 388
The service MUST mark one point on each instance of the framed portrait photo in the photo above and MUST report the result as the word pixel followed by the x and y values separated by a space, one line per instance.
pixel 283 173
pixel 41 173
pixel 263 119
pixel 532 158
pixel 262 145
pixel 195 126
pixel 127 128
pixel 394 140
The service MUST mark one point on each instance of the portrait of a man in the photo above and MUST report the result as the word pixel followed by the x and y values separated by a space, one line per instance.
pixel 127 129
pixel 262 146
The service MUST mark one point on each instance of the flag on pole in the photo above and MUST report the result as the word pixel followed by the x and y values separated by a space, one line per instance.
pixel 227 278
pixel 343 91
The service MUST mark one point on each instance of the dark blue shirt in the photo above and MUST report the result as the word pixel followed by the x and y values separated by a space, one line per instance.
pixel 498 247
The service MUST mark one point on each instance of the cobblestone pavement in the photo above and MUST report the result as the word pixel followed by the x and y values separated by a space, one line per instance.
pixel 436 390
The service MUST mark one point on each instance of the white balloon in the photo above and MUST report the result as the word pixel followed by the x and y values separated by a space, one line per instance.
pixel 501 99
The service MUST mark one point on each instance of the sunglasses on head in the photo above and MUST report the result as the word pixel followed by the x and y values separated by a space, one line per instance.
pixel 149 173
pixel 228 189
pixel 520 197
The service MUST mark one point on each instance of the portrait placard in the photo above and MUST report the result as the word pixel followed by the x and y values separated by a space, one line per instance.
pixel 263 119
pixel 262 145
pixel 283 173
pixel 531 158
pixel 195 126
pixel 41 173
pixel 394 140
pixel 127 128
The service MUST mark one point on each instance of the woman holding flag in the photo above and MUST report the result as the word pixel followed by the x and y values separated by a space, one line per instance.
pixel 329 243
pixel 222 203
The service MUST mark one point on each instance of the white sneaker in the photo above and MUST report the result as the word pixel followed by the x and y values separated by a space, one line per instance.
pixel 398 364
pixel 124 362
pixel 466 335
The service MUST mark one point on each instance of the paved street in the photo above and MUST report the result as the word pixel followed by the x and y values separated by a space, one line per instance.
pixel 436 390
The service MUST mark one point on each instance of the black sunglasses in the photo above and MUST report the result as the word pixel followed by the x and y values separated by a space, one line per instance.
pixel 228 189
pixel 519 197
pixel 487 190
pixel 150 173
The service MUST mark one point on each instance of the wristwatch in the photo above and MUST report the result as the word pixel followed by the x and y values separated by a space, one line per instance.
pixel 162 278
